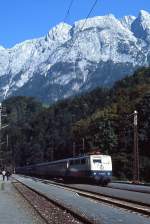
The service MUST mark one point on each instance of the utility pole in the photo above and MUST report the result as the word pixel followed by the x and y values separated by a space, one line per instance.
pixel 1 127
pixel 0 120
pixel 52 154
pixel 52 151
pixel 136 166
pixel 74 149
pixel 83 145
pixel 7 140
pixel 136 150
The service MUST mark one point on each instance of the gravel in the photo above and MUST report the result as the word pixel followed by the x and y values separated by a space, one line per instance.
pixel 48 211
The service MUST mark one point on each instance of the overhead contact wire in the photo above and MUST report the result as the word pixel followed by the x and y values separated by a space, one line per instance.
pixel 91 10
pixel 68 10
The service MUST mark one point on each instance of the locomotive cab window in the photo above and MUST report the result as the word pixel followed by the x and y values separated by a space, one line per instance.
pixel 97 161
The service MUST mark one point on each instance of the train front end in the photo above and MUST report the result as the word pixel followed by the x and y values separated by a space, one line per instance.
pixel 101 168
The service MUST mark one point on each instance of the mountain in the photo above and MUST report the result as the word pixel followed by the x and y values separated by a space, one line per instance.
pixel 73 59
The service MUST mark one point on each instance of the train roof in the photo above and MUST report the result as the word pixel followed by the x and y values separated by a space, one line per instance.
pixel 65 160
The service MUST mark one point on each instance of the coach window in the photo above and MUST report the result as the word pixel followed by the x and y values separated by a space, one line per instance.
pixel 83 161
pixel 71 162
pixel 77 161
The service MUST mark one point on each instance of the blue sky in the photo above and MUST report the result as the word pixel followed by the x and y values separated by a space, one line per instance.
pixel 26 19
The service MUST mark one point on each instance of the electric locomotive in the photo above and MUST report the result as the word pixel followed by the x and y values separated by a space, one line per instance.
pixel 94 167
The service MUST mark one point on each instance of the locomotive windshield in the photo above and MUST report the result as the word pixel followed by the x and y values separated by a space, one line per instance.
pixel 97 161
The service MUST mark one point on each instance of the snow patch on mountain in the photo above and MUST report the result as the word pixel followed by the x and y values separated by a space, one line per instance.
pixel 127 21
pixel 70 59
pixel 60 33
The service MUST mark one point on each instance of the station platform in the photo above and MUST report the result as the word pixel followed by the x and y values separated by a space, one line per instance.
pixel 14 209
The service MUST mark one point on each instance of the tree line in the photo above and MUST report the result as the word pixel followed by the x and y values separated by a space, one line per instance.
pixel 97 120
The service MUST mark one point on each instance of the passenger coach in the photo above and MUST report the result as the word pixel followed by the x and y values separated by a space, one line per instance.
pixel 90 167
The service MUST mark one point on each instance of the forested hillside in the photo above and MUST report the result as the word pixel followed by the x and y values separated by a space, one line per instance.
pixel 98 119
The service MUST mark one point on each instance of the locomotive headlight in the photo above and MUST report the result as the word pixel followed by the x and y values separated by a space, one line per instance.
pixel 94 173
pixel 108 173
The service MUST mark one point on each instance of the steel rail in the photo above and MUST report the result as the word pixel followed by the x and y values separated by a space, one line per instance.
pixel 122 203
pixel 126 189
pixel 134 190
pixel 75 214
pixel 131 205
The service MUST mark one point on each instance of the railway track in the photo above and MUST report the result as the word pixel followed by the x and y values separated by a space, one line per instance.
pixel 127 204
pixel 130 187
pixel 34 198
pixel 124 186
pixel 130 205
pixel 141 188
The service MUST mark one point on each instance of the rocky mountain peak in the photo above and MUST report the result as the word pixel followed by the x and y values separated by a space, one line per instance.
pixel 144 14
pixel 60 33
pixel 101 22
pixel 55 67
pixel 127 21
pixel 141 26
